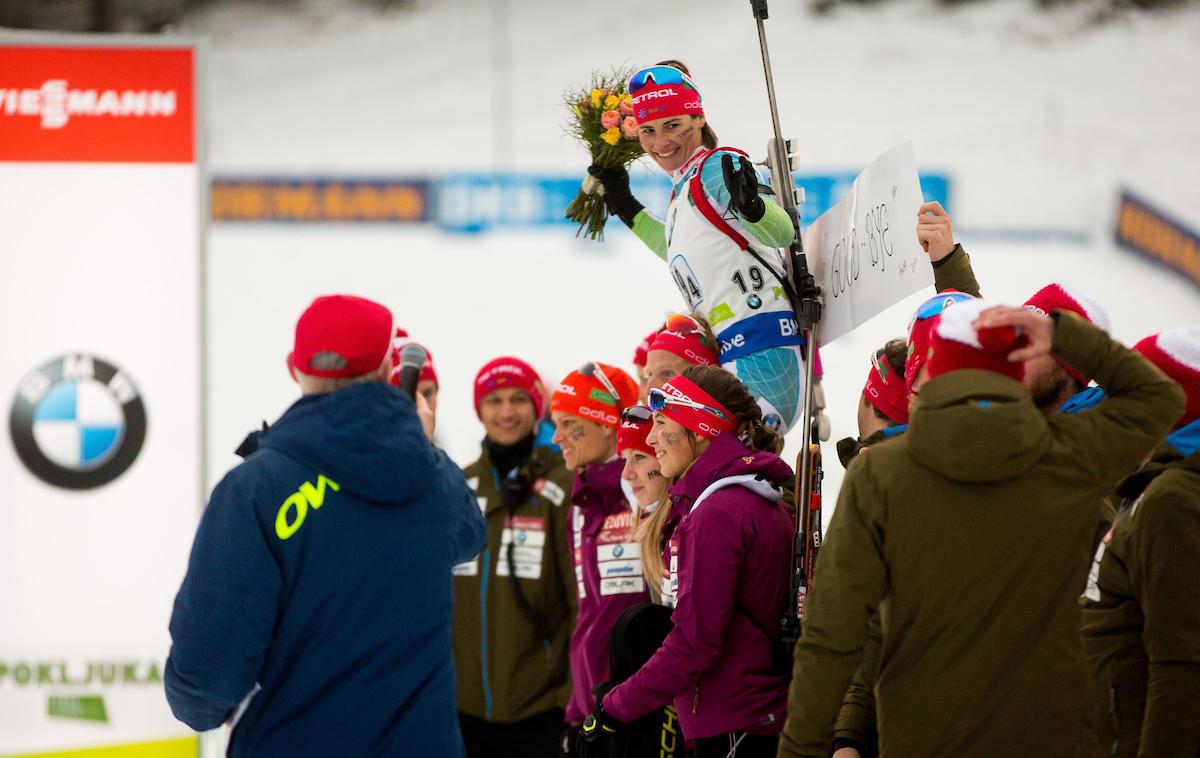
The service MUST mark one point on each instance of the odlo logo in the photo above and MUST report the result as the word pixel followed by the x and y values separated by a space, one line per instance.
pixel 77 422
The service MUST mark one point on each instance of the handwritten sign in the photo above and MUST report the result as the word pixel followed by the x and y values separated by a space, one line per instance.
pixel 864 251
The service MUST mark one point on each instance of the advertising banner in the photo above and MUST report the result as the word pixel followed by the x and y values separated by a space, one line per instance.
pixel 101 204
pixel 1143 229
pixel 862 251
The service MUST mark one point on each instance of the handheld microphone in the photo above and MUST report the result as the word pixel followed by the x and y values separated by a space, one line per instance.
pixel 412 359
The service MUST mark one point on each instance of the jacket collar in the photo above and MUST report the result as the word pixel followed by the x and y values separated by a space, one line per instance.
pixel 725 457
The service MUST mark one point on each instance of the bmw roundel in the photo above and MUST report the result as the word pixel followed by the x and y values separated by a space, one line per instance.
pixel 77 422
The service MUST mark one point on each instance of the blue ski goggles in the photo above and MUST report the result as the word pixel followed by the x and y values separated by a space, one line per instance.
pixel 656 76
pixel 659 400
pixel 938 303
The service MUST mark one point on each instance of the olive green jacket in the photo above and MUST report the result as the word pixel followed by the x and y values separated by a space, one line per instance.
pixel 971 534
pixel 954 272
pixel 509 667
pixel 1142 613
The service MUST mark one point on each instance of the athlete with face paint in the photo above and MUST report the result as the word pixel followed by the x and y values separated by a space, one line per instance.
pixel 732 551
pixel 586 409
pixel 718 220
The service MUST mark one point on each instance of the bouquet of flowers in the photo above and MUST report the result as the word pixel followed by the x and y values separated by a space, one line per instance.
pixel 602 119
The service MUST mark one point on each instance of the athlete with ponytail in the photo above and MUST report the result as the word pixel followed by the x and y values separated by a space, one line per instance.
pixel 719 240
pixel 719 664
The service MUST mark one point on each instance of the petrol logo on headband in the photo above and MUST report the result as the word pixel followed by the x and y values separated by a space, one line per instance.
pixel 77 422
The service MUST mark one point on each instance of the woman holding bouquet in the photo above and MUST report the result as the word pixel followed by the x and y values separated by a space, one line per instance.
pixel 717 223
pixel 718 665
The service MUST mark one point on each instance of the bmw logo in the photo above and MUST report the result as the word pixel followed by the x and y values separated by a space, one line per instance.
pixel 77 422
pixel 773 421
pixel 618 551
pixel 754 301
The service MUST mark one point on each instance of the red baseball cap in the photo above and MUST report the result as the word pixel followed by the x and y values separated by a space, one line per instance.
pixel 354 329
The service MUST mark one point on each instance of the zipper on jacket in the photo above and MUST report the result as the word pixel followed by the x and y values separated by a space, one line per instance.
pixel 696 699
pixel 487 690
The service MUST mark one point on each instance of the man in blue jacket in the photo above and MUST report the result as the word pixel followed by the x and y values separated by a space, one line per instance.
pixel 315 614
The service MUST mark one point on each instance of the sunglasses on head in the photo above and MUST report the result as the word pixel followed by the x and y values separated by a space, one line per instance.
pixel 592 369
pixel 637 414
pixel 653 77
pixel 680 323
pixel 659 400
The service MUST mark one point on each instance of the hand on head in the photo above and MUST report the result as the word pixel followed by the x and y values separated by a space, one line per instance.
pixel 1037 328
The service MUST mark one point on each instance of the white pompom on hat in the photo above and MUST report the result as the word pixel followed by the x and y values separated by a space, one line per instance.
pixel 1177 353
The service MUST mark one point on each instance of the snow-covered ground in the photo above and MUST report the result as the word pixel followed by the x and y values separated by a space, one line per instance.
pixel 1037 117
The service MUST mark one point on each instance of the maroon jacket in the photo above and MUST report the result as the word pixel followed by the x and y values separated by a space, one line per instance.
pixel 717 665
pixel 608 573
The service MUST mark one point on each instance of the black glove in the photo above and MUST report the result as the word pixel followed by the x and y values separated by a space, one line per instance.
pixel 599 727
pixel 617 196
pixel 742 184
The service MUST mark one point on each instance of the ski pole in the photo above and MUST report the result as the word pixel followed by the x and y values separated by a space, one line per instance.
pixel 807 305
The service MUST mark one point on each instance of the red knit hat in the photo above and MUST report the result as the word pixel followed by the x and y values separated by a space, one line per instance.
pixel 1063 297
pixel 639 354
pixel 956 344
pixel 886 391
pixel 1177 354
pixel 357 330
pixel 587 397
pixel 399 342
pixel 505 372
pixel 663 92
pixel 920 329
pixel 691 346
pixel 632 433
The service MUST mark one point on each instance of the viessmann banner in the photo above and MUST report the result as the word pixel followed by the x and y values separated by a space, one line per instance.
pixel 101 219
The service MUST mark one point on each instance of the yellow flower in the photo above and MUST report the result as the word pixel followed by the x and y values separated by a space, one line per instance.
pixel 596 95
pixel 611 136
pixel 610 102
pixel 625 98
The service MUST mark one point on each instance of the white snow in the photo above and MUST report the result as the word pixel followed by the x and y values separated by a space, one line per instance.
pixel 1038 118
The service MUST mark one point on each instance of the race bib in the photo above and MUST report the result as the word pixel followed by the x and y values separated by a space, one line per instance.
pixel 686 281
pixel 527 535
pixel 618 558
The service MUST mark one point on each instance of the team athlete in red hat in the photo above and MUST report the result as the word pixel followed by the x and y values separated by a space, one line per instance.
pixel 514 605
pixel 728 574
pixel 586 409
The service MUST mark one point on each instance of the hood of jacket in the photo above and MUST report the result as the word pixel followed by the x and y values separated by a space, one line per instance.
pixel 973 425
pixel 366 437
pixel 728 457
pixel 1180 445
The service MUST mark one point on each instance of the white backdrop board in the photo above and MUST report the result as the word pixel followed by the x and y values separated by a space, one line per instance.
pixel 863 251
pixel 101 207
